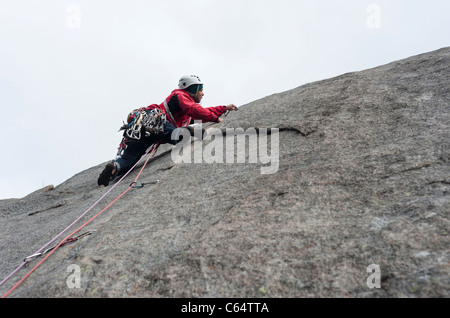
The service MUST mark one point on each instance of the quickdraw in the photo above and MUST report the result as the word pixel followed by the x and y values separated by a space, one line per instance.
pixel 133 186
pixel 67 241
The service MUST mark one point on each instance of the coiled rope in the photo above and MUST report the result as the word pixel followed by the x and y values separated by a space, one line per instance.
pixel 151 150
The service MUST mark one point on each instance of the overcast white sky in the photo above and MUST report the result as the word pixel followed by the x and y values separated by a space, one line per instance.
pixel 70 71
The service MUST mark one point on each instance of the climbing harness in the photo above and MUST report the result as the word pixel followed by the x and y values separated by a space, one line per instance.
pixel 69 240
pixel 151 151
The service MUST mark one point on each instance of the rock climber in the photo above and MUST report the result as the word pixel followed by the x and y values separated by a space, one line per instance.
pixel 181 108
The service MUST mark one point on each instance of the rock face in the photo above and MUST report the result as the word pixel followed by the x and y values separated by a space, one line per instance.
pixel 363 178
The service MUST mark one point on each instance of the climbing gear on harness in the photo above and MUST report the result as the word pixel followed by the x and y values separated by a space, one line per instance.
pixel 141 123
pixel 67 241
pixel 146 123
pixel 122 145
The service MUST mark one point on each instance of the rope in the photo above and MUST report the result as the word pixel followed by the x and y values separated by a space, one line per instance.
pixel 152 151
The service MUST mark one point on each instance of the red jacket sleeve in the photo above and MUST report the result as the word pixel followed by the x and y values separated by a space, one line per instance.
pixel 197 112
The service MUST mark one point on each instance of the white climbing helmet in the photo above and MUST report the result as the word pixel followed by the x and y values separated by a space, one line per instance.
pixel 189 80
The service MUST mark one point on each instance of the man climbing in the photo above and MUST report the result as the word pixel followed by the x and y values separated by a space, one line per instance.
pixel 180 108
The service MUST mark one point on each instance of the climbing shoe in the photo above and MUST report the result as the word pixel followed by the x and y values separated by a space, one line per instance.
pixel 107 175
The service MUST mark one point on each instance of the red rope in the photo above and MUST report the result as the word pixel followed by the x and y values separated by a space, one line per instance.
pixel 81 227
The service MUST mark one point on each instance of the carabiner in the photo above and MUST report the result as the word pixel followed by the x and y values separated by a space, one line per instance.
pixel 29 258
pixel 136 187
pixel 142 184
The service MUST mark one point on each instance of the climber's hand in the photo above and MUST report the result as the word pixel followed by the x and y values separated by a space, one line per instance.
pixel 232 107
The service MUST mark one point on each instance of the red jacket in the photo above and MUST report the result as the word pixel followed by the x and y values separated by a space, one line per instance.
pixel 184 109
